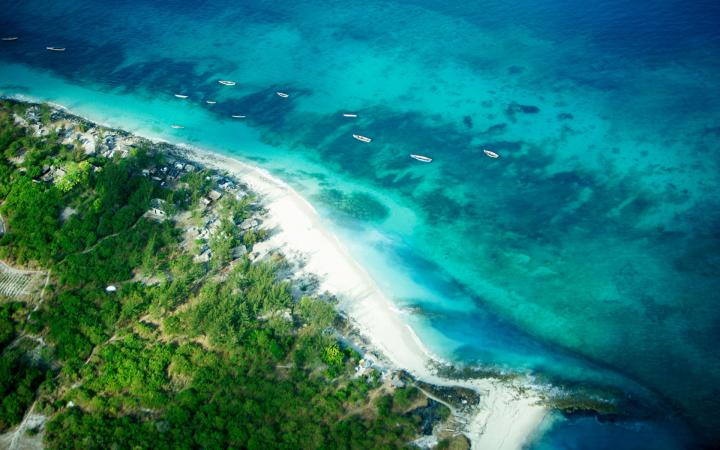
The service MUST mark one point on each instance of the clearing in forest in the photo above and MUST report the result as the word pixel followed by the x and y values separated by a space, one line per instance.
pixel 16 283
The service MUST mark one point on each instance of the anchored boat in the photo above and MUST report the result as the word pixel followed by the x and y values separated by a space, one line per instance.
pixel 177 127
pixel 56 49
pixel 491 153
pixel 181 96
pixel 421 158
pixel 282 94
pixel 361 138
pixel 349 115
pixel 227 82
pixel 238 116
pixel 210 102
pixel 13 38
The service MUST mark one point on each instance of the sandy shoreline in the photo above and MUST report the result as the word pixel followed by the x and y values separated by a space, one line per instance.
pixel 505 418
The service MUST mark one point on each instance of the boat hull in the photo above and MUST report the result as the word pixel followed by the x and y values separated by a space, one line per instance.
pixel 361 138
pixel 421 158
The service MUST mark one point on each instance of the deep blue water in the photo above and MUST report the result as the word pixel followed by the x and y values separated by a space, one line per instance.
pixel 587 254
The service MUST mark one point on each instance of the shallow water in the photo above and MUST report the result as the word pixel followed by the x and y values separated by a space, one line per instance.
pixel 587 253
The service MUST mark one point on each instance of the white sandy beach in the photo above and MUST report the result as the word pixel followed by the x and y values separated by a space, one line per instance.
pixel 505 418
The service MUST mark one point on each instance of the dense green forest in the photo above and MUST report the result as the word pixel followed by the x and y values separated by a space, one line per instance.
pixel 183 354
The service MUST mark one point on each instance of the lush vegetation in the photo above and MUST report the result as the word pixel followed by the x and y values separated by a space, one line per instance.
pixel 8 324
pixel 19 378
pixel 20 374
pixel 183 354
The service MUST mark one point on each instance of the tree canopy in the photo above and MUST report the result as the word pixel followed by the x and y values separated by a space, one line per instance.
pixel 182 354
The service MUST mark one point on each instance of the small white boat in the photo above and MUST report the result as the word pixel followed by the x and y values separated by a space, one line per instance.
pixel 361 138
pixel 491 153
pixel 282 94
pixel 13 38
pixel 181 96
pixel 210 102
pixel 56 49
pixel 238 116
pixel 227 82
pixel 421 158
pixel 177 127
pixel 349 115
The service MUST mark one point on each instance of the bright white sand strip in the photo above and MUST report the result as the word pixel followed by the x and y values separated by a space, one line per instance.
pixel 505 418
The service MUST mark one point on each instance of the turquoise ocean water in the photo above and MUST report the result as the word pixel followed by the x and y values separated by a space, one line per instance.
pixel 587 254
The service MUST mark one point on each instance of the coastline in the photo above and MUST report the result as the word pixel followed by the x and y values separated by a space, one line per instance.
pixel 509 412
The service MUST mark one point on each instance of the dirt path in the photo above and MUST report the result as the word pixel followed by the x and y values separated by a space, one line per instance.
pixel 20 439
pixel 42 297
pixel 92 247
